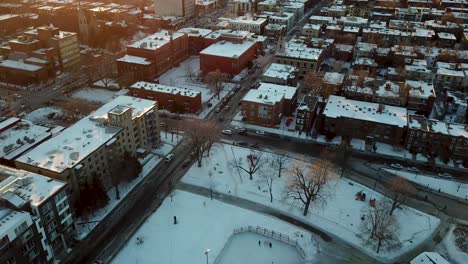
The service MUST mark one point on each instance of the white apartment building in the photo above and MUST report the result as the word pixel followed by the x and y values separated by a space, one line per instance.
pixel 89 147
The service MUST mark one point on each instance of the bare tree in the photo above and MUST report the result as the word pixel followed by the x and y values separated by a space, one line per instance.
pixel 313 82
pixel 400 189
pixel 255 161
pixel 200 135
pixel 380 227
pixel 279 162
pixel 215 80
pixel 267 178
pixel 306 182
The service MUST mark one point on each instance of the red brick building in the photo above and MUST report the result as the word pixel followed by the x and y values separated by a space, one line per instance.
pixel 228 57
pixel 163 50
pixel 174 99
pixel 262 108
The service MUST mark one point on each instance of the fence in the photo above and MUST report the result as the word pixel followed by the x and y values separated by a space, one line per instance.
pixel 264 232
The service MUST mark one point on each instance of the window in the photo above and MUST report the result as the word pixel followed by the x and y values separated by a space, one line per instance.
pixel 21 228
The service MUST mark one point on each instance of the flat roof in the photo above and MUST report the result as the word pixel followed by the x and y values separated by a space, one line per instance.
pixel 20 137
pixel 27 186
pixel 20 65
pixel 195 32
pixel 288 91
pixel 10 219
pixel 263 97
pixel 156 40
pixel 134 59
pixel 338 106
pixel 165 89
pixel 227 49
pixel 280 71
pixel 78 141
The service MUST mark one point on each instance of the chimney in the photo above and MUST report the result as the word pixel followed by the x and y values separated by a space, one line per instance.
pixel 380 108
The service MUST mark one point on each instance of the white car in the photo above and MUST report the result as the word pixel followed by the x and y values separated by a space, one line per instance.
pixel 260 132
pixel 227 132
pixel 413 169
pixel 169 157
pixel 396 166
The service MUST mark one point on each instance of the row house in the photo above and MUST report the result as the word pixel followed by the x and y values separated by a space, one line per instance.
pixel 436 138
pixel 174 99
pixel 383 123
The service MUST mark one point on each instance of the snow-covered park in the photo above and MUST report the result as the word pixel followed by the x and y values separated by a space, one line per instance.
pixel 437 184
pixel 85 225
pixel 340 215
pixel 94 95
pixel 203 224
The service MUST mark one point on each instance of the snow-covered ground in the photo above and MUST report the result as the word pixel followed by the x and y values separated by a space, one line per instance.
pixel 40 114
pixel 282 130
pixel 185 76
pixel 447 186
pixel 209 224
pixel 149 163
pixel 85 225
pixel 340 215
pixel 449 248
pixel 94 95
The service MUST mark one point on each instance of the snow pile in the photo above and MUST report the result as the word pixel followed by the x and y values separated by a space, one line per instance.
pixel 42 114
pixel 209 224
pixel 94 95
pixel 340 215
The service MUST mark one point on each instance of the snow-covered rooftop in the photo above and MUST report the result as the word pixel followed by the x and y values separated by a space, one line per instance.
pixel 134 59
pixel 436 126
pixel 227 49
pixel 20 136
pixel 280 71
pixel 263 97
pixel 75 143
pixel 288 91
pixel 156 40
pixel 20 187
pixel 296 48
pixel 195 32
pixel 339 106
pixel 19 65
pixel 10 219
pixel 333 78
pixel 165 89
pixel 420 89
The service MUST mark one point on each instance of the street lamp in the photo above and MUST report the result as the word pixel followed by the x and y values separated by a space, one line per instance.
pixel 206 253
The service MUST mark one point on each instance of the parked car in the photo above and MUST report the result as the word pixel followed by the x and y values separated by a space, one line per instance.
pixel 169 157
pixel 240 130
pixel 226 108
pixel 218 110
pixel 396 166
pixel 260 132
pixel 227 132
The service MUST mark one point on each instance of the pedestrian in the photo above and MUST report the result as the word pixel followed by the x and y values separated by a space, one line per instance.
pixel 259 243
pixel 270 245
